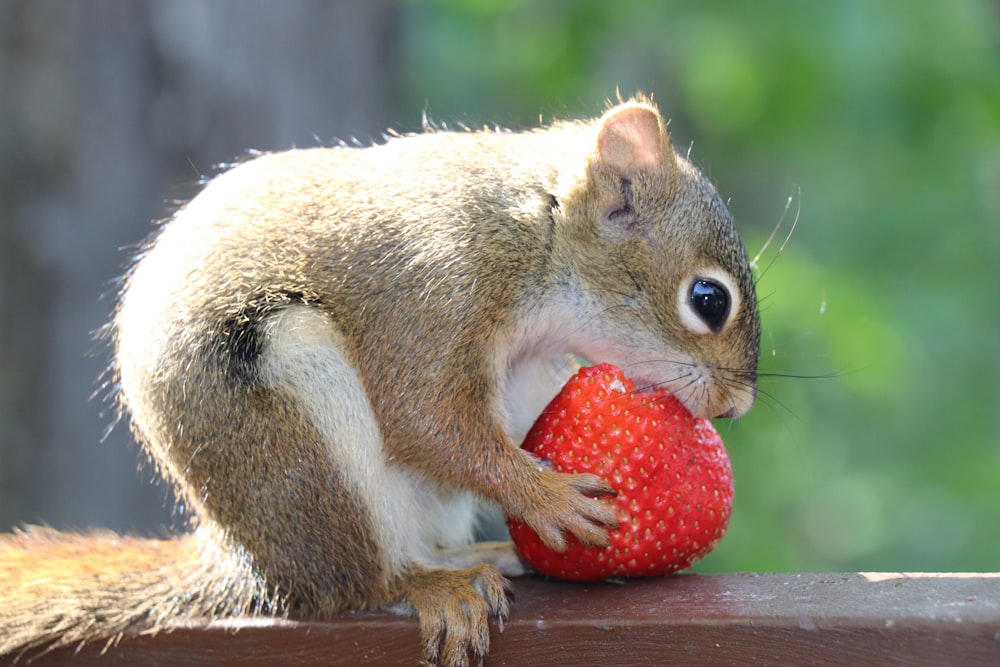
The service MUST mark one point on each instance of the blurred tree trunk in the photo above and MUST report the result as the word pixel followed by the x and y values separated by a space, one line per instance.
pixel 110 112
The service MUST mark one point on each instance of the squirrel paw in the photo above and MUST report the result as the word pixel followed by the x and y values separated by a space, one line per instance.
pixel 570 504
pixel 454 607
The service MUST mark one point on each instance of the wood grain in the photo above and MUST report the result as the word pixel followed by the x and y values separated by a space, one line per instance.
pixel 707 619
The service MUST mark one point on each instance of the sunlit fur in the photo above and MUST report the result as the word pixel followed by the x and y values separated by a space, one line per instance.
pixel 326 351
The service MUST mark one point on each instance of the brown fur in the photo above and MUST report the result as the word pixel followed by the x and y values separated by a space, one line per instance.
pixel 414 277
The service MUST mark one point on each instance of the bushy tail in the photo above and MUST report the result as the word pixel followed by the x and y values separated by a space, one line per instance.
pixel 58 588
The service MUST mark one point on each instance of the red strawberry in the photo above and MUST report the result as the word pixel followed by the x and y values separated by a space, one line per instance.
pixel 671 473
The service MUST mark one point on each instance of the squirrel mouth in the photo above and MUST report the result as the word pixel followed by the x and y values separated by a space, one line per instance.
pixel 645 384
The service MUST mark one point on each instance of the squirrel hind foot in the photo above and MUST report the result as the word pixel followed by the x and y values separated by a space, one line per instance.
pixel 501 555
pixel 454 608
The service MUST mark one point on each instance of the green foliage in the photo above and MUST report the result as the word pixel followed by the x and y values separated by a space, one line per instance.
pixel 881 118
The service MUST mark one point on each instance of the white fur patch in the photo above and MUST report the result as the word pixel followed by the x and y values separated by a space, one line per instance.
pixel 306 355
pixel 533 381
pixel 548 342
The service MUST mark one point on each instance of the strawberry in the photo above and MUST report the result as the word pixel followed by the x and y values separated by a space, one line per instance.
pixel 670 472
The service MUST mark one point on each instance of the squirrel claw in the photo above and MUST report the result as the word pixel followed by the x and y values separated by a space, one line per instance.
pixel 454 607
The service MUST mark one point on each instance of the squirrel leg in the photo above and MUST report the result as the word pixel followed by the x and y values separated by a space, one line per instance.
pixel 501 555
pixel 406 516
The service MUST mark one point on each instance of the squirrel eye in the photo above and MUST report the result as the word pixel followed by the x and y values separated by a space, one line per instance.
pixel 710 301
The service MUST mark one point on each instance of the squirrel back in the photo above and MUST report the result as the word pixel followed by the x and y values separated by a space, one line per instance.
pixel 326 353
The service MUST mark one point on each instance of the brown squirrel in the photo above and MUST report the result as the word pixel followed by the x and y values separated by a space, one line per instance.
pixel 328 350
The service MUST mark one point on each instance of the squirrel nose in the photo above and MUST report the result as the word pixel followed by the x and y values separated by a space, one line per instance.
pixel 736 403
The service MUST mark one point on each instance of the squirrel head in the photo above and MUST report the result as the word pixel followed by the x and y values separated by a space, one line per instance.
pixel 661 266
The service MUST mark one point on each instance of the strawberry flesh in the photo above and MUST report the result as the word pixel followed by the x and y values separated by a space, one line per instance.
pixel 670 471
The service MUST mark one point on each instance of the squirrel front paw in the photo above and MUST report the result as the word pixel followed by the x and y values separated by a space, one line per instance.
pixel 454 607
pixel 569 502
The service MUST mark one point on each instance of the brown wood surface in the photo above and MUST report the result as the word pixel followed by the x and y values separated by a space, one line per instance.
pixel 709 619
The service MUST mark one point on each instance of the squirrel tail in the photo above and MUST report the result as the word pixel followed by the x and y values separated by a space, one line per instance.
pixel 58 589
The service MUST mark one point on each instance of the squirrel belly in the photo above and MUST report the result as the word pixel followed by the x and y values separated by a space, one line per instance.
pixel 327 352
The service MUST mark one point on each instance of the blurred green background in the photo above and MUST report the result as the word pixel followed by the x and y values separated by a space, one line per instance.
pixel 875 123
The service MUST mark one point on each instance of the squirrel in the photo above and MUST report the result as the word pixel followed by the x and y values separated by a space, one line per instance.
pixel 328 353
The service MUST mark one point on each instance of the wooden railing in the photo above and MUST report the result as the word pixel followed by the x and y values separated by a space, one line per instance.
pixel 690 619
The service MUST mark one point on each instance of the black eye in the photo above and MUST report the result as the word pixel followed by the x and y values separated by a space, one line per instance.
pixel 710 301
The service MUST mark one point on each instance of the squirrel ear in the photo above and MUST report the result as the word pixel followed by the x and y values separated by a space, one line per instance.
pixel 632 139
